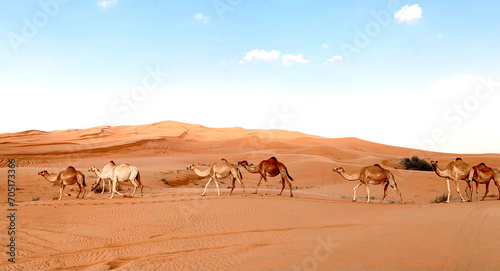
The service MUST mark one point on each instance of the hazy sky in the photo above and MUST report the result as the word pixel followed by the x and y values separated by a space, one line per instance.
pixel 421 74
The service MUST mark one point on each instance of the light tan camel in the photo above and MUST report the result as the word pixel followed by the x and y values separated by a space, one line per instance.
pixel 454 171
pixel 219 170
pixel 107 168
pixel 270 167
pixel 482 174
pixel 68 176
pixel 121 173
pixel 371 175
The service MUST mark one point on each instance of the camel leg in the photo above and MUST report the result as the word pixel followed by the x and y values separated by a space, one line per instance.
pixel 477 191
pixel 458 191
pixel 134 183
pixel 267 184
pixel 498 186
pixel 257 189
pixel 449 191
pixel 61 191
pixel 232 188
pixel 290 185
pixel 217 185
pixel 206 185
pixel 242 185
pixel 84 191
pixel 468 188
pixel 79 190
pixel 113 188
pixel 115 182
pixel 282 186
pixel 487 189
pixel 368 193
pixel 399 193
pixel 355 188
pixel 103 184
pixel 385 192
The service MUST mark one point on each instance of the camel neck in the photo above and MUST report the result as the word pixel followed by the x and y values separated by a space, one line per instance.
pixel 252 169
pixel 201 173
pixel 438 171
pixel 348 177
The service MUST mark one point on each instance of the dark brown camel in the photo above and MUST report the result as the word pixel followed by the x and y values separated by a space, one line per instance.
pixel 270 167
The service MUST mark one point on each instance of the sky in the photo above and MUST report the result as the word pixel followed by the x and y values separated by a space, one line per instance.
pixel 418 74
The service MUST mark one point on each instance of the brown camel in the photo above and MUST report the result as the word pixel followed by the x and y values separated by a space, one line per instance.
pixel 220 169
pixel 270 167
pixel 482 174
pixel 68 176
pixel 454 171
pixel 371 175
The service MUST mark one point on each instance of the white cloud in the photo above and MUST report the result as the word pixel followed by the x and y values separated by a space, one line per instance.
pixel 202 18
pixel 335 58
pixel 288 59
pixel 107 3
pixel 440 35
pixel 262 55
pixel 409 14
pixel 326 46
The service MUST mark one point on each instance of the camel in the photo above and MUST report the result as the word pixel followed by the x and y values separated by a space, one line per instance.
pixel 108 167
pixel 68 176
pixel 483 174
pixel 371 175
pixel 455 171
pixel 121 173
pixel 220 169
pixel 270 167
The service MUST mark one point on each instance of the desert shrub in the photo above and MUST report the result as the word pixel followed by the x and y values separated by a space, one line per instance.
pixel 416 163
pixel 441 198
pixel 35 199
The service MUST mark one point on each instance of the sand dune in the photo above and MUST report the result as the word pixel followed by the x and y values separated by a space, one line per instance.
pixel 172 227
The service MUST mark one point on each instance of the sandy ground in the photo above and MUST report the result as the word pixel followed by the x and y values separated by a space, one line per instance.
pixel 173 227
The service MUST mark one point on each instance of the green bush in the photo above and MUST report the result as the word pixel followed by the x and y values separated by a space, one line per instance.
pixel 416 163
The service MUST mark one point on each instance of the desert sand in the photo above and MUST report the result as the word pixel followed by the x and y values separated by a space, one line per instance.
pixel 173 228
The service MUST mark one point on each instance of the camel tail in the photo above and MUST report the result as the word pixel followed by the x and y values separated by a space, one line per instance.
pixel 138 178
pixel 83 180
pixel 289 177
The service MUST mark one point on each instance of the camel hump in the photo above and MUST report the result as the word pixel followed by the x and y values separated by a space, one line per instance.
pixel 458 159
pixel 71 168
pixel 377 165
pixel 223 159
pixel 273 158
pixel 112 162
pixel 482 164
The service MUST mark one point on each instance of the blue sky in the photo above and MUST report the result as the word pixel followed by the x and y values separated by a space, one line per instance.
pixel 419 74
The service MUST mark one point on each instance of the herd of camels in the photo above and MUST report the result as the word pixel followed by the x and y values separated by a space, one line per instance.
pixel 455 171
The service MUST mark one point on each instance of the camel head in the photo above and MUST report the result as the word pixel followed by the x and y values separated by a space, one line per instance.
pixel 191 167
pixel 434 163
pixel 43 173
pixel 93 169
pixel 96 184
pixel 338 169
pixel 242 163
